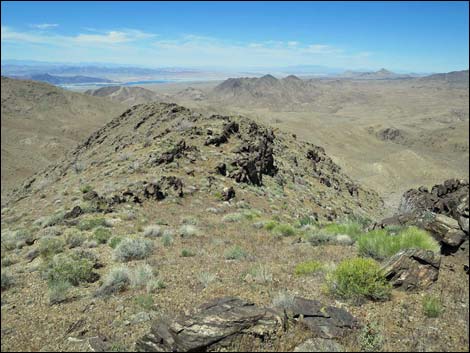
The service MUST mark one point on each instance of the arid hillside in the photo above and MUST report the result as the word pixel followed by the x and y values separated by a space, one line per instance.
pixel 40 122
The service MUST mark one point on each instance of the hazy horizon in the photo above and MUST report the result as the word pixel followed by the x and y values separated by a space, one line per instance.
pixel 400 37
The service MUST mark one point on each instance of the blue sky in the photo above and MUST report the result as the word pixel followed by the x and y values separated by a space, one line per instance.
pixel 402 36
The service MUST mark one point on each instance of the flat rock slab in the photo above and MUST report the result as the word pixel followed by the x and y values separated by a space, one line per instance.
pixel 324 321
pixel 412 269
pixel 216 324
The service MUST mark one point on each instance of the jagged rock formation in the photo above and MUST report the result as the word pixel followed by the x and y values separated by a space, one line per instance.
pixel 443 211
pixel 146 150
pixel 412 269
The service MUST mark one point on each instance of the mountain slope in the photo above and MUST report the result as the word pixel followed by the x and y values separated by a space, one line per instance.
pixel 40 122
pixel 126 95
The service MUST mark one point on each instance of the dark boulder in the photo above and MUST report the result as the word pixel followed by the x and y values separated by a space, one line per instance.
pixel 412 269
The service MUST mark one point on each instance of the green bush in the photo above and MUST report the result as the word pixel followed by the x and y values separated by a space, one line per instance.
pixel 353 229
pixel 145 301
pixel 154 285
pixel 270 225
pixel 235 253
pixel 86 188
pixel 101 235
pixel 380 245
pixel 307 268
pixel 187 253
pixel 91 223
pixel 70 268
pixel 284 230
pixel 50 246
pixel 432 306
pixel 114 241
pixel 133 249
pixel 358 279
pixel 167 240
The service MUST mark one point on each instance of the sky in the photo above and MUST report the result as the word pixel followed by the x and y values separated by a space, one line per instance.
pixel 399 36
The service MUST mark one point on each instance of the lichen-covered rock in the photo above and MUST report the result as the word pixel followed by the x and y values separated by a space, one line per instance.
pixel 412 269
pixel 216 324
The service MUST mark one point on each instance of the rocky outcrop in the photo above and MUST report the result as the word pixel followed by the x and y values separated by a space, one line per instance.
pixel 324 321
pixel 228 193
pixel 443 211
pixel 412 269
pixel 214 325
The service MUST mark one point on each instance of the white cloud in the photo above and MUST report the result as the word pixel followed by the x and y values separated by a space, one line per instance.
pixel 44 25
pixel 138 47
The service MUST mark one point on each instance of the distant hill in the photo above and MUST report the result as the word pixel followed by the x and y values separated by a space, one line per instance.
pixel 63 80
pixel 454 77
pixel 40 122
pixel 382 74
pixel 126 95
pixel 266 90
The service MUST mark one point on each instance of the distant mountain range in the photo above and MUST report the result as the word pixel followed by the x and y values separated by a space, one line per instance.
pixel 62 80
pixel 382 74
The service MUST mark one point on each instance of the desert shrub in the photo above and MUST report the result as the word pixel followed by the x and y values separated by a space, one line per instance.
pixel 114 241
pixel 22 237
pixel 91 223
pixel 394 229
pixel 235 253
pixel 232 217
pixel 284 230
pixel 101 235
pixel 132 249
pixel 353 229
pixel 58 291
pixel 86 188
pixel 371 338
pixel 432 306
pixel 49 246
pixel 307 220
pixel 153 231
pixel 167 239
pixel 206 278
pixel 319 237
pixel 8 261
pixel 308 268
pixel 380 245
pixel 270 225
pixel 154 285
pixel 187 253
pixel 74 238
pixel 69 267
pixel 56 218
pixel 117 280
pixel 7 280
pixel 144 301
pixel 188 230
pixel 358 279
pixel 261 274
pixel 141 275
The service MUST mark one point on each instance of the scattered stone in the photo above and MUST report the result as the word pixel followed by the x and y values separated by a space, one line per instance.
pixel 412 269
